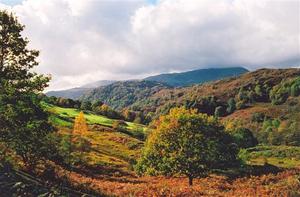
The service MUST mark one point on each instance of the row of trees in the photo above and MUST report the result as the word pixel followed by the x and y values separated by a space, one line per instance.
pixel 279 132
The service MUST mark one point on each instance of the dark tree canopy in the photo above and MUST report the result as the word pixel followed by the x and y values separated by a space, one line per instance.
pixel 16 59
pixel 24 126
pixel 244 138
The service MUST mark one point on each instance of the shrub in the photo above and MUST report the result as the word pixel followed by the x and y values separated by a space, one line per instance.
pixel 258 117
pixel 244 138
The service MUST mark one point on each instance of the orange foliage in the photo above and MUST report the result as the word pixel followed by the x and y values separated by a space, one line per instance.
pixel 285 183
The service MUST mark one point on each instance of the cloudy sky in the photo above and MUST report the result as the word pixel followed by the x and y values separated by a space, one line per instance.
pixel 82 41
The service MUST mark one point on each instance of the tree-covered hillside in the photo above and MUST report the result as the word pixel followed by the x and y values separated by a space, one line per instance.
pixel 221 98
pixel 248 88
pixel 266 98
pixel 197 76
pixel 172 79
pixel 124 93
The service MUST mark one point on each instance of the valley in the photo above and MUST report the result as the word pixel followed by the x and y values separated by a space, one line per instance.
pixel 116 143
pixel 183 118
pixel 110 165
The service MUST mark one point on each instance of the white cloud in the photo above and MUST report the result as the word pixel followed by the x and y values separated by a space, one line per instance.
pixel 202 33
pixel 88 40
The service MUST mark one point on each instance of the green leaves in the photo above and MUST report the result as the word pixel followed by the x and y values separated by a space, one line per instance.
pixel 24 124
pixel 244 138
pixel 16 60
pixel 231 106
pixel 187 143
pixel 282 91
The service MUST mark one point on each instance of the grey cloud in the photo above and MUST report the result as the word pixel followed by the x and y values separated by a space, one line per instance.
pixel 88 40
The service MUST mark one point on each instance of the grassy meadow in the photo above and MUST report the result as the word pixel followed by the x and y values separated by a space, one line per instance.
pixel 280 156
pixel 64 117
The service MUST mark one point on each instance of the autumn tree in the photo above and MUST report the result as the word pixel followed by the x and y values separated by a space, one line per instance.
pixel 24 124
pixel 80 126
pixel 79 144
pixel 185 142
pixel 295 87
pixel 128 115
pixel 258 91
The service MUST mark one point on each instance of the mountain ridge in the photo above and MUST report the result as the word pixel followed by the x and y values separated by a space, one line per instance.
pixel 179 79
pixel 198 76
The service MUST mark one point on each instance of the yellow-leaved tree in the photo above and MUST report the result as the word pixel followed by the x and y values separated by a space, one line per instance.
pixel 80 126
pixel 79 145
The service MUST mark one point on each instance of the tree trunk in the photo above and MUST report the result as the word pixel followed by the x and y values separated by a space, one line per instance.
pixel 190 180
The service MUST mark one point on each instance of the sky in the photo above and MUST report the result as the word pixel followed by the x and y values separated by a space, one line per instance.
pixel 82 41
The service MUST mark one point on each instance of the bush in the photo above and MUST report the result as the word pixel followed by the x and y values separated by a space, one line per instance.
pixel 219 111
pixel 258 117
pixel 241 105
pixel 281 92
pixel 244 138
pixel 231 106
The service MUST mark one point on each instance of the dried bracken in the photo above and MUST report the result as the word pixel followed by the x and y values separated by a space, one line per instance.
pixel 286 183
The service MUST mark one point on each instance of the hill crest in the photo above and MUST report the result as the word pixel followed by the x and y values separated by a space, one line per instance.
pixel 198 76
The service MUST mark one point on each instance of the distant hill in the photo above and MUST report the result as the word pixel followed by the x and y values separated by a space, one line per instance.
pixel 76 93
pixel 73 93
pixel 197 76
pixel 124 93
pixel 221 90
pixel 98 84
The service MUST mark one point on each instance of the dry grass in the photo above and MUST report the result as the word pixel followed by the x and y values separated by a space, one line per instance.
pixel 110 148
pixel 282 184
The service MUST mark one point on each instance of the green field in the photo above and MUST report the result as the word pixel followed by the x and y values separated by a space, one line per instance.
pixel 280 156
pixel 64 117
pixel 116 148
